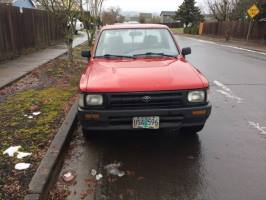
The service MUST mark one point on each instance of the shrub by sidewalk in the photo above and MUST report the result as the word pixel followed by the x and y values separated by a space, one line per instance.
pixel 31 111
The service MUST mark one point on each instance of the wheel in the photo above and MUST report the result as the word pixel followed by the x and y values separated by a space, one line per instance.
pixel 191 129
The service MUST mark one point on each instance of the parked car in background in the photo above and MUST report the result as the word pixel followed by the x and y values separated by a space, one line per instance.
pixel 138 78
pixel 78 26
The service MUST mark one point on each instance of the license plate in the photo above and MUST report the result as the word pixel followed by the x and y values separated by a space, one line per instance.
pixel 146 122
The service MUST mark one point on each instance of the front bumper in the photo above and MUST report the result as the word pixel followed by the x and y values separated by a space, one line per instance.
pixel 122 119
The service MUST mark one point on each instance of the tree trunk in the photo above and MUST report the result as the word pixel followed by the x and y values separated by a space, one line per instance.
pixel 70 47
pixel 70 50
pixel 69 41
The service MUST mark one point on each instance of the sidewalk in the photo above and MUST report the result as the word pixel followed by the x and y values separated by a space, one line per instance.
pixel 251 45
pixel 14 69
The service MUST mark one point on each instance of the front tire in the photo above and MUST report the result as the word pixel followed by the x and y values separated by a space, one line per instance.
pixel 191 129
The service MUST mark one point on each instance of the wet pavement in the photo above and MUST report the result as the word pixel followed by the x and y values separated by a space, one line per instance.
pixel 225 161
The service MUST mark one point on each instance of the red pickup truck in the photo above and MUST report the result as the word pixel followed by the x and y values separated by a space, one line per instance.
pixel 137 77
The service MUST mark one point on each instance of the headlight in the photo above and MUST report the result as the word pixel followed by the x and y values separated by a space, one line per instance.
pixel 196 96
pixel 94 100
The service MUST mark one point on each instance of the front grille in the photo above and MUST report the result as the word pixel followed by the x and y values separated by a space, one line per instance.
pixel 147 100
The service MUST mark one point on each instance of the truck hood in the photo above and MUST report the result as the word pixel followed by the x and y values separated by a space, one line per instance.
pixel 142 74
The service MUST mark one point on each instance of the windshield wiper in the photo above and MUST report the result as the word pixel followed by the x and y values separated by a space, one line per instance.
pixel 154 54
pixel 114 56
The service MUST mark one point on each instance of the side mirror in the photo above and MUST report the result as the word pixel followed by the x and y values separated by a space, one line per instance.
pixel 86 54
pixel 186 51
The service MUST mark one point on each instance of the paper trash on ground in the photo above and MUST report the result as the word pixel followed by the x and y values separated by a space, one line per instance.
pixel 36 113
pixel 22 166
pixel 68 177
pixel 12 150
pixel 93 172
pixel 23 154
pixel 98 177
pixel 113 169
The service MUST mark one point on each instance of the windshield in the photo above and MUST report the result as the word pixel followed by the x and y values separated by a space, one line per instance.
pixel 136 42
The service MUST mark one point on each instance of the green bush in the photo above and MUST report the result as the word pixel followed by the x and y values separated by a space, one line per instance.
pixel 194 30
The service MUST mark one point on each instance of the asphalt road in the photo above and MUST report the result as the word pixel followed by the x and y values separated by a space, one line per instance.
pixel 225 161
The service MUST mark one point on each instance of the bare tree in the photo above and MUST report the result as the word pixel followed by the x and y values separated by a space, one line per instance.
pixel 111 16
pixel 66 13
pixel 221 9
pixel 90 16
pixel 226 10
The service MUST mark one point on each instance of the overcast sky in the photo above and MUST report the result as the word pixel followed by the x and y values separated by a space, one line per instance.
pixel 147 5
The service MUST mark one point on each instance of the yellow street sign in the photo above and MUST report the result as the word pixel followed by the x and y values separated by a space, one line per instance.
pixel 253 11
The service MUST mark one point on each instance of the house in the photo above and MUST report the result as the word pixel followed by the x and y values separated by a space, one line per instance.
pixel 20 3
pixel 168 16
pixel 24 3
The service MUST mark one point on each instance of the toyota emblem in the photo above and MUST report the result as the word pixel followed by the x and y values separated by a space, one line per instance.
pixel 146 99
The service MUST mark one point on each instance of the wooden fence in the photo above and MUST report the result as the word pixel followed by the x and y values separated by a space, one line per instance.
pixel 30 28
pixel 237 29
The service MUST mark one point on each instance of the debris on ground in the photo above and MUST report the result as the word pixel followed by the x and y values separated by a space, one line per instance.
pixel 22 166
pixel 34 108
pixel 12 150
pixel 68 177
pixel 98 177
pixel 30 116
pixel 113 169
pixel 140 178
pixel 83 194
pixel 93 172
pixel 130 173
pixel 23 154
pixel 36 113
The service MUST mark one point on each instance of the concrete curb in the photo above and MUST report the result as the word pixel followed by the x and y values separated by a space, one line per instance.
pixel 51 164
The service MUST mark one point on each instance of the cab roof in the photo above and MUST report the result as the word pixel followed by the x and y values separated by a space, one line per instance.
pixel 126 26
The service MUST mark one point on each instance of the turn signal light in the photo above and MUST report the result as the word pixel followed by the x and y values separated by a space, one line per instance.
pixel 199 112
pixel 92 116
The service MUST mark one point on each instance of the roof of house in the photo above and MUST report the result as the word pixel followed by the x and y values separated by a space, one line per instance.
pixel 168 13
pixel 126 26
pixel 23 3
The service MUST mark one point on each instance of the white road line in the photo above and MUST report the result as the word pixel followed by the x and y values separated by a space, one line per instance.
pixel 230 95
pixel 226 91
pixel 218 83
pixel 262 130
pixel 224 45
